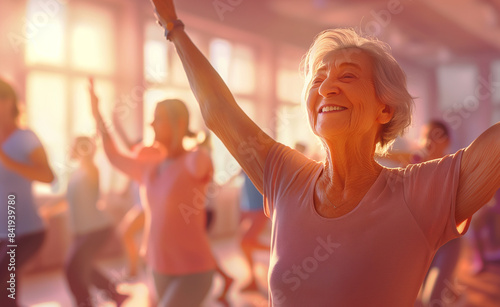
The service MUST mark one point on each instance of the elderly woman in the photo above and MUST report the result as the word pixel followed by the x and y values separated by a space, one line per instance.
pixel 346 232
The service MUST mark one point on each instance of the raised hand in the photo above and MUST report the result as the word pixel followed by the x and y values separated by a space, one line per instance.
pixel 165 11
pixel 94 100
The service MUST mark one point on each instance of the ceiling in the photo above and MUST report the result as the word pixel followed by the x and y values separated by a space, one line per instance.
pixel 427 32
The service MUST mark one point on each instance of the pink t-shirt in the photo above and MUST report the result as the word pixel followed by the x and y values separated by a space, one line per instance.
pixel 176 239
pixel 377 254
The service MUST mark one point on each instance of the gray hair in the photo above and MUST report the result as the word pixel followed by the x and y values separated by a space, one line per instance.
pixel 389 77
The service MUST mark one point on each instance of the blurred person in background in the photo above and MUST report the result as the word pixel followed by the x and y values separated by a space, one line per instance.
pixel 133 222
pixel 347 231
pixel 210 210
pixel 92 228
pixel 176 244
pixel 486 227
pixel 22 161
pixel 434 143
pixel 253 222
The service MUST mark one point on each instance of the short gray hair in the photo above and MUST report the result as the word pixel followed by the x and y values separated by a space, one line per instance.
pixel 389 77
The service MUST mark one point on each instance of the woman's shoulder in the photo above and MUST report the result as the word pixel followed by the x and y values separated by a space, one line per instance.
pixel 24 140
pixel 198 161
pixel 283 154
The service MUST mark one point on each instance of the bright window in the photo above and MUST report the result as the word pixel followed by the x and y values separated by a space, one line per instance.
pixel 236 64
pixel 456 82
pixel 242 70
pixel 289 83
pixel 57 98
pixel 46 34
pixel 47 111
pixel 92 39
pixel 155 54
pixel 220 57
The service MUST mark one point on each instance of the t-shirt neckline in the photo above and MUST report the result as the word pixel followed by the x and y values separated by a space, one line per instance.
pixel 376 183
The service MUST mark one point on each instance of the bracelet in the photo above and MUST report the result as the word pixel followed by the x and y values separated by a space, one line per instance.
pixel 171 26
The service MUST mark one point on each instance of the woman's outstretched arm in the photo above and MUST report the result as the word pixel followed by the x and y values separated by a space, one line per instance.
pixel 38 169
pixel 131 167
pixel 479 173
pixel 242 137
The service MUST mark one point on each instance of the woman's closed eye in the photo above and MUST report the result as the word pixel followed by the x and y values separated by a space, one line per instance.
pixel 317 81
pixel 348 77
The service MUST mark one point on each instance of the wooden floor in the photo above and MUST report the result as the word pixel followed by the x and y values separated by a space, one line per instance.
pixel 50 290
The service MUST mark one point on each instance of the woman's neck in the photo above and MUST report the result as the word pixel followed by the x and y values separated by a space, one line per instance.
pixel 349 165
pixel 175 150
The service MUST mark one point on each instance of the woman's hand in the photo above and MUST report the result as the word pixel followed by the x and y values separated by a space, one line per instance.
pixel 94 101
pixel 165 11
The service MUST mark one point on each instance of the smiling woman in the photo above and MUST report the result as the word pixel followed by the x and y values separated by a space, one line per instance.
pixel 358 53
pixel 367 233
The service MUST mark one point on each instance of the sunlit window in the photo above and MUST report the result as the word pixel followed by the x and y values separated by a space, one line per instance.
pixel 57 97
pixel 289 85
pixel 178 77
pixel 456 82
pixel 47 110
pixel 45 33
pixel 235 63
pixel 92 39
pixel 220 57
pixel 155 54
pixel 242 71
pixel 292 124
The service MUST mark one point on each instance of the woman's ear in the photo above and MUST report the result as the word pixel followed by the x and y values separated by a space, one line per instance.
pixel 385 115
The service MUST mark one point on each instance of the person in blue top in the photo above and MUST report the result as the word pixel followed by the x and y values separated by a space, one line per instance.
pixel 22 161
pixel 253 216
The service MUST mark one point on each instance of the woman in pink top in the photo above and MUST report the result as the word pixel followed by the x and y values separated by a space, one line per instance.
pixel 347 231
pixel 176 244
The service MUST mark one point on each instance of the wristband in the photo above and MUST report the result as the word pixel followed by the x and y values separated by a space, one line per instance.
pixel 171 26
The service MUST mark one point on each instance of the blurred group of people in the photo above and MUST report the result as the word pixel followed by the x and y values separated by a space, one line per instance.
pixel 176 243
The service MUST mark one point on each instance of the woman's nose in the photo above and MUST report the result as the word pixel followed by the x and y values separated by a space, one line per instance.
pixel 328 88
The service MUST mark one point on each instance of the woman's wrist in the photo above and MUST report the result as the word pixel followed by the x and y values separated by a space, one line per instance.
pixel 172 27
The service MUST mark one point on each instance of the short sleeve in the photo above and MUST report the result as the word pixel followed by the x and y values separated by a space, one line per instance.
pixel 430 191
pixel 29 141
pixel 286 171
pixel 199 164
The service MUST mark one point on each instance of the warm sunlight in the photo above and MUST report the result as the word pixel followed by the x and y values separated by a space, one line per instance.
pixel 46 35
pixel 92 43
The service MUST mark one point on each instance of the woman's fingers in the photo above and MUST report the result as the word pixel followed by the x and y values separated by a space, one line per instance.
pixel 93 97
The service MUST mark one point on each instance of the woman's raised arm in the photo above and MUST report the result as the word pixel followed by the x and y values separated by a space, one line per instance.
pixel 479 173
pixel 242 137
pixel 131 167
